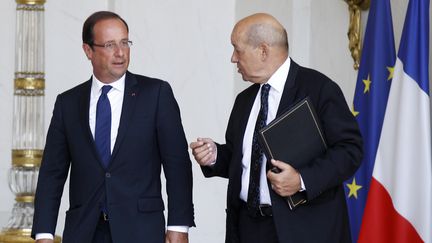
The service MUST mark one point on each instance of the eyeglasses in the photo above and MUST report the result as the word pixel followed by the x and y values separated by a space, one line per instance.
pixel 112 46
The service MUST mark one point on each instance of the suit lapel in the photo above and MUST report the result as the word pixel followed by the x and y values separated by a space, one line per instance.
pixel 128 107
pixel 84 106
pixel 249 101
pixel 245 109
pixel 290 90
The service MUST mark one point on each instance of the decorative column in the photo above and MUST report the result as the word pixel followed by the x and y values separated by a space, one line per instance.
pixel 28 118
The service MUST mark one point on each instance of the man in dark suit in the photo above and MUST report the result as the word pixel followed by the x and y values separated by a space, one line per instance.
pixel 256 209
pixel 115 132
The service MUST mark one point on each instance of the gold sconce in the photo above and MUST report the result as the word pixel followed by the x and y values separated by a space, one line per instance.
pixel 354 31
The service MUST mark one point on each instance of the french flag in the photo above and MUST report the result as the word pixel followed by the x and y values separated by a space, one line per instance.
pixel 399 201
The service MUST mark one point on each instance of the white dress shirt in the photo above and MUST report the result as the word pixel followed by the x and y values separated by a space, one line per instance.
pixel 115 96
pixel 277 83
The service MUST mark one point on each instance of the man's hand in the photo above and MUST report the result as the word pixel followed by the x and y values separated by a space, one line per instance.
pixel 285 183
pixel 44 241
pixel 204 151
pixel 176 237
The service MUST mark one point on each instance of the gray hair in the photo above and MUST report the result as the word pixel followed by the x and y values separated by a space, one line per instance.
pixel 266 33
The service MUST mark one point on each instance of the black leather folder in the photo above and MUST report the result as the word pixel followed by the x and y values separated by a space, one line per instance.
pixel 294 137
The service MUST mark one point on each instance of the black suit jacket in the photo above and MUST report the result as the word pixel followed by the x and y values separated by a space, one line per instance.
pixel 324 217
pixel 150 136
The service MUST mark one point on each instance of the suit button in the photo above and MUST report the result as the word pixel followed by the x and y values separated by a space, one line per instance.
pixel 107 175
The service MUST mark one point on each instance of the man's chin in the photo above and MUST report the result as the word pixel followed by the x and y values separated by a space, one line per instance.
pixel 245 78
pixel 120 72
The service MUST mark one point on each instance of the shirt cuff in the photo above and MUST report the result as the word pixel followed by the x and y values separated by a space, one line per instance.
pixel 177 228
pixel 303 187
pixel 40 236
pixel 214 162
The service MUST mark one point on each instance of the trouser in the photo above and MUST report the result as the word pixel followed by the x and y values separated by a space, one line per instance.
pixel 256 228
pixel 102 233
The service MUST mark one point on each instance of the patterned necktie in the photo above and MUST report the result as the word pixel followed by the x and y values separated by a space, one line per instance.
pixel 255 169
pixel 103 126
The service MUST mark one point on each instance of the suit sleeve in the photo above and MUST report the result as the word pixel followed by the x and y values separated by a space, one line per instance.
pixel 175 159
pixel 52 175
pixel 344 153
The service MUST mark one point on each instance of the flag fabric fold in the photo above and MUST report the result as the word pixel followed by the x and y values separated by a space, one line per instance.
pixel 370 100
pixel 399 203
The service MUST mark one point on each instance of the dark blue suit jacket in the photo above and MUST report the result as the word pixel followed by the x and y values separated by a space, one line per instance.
pixel 150 136
pixel 324 218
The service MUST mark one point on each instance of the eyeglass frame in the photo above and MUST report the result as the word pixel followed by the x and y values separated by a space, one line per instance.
pixel 112 45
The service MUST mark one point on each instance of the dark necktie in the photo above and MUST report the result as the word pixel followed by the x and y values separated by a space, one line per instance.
pixel 253 200
pixel 103 126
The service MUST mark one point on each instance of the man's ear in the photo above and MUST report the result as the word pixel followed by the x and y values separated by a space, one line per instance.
pixel 87 50
pixel 264 51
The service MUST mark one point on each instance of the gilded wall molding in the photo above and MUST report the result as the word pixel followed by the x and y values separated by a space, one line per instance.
pixel 354 30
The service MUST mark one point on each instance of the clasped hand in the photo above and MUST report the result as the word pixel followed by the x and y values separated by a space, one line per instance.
pixel 204 151
pixel 286 182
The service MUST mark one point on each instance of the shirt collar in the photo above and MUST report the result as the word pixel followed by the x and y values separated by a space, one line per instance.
pixel 117 85
pixel 278 79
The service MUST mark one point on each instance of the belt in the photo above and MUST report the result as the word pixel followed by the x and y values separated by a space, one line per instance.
pixel 104 211
pixel 263 210
pixel 104 217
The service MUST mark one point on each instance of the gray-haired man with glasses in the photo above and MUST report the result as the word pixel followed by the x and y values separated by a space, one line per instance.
pixel 115 132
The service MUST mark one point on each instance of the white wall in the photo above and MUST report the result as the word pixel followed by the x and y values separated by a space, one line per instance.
pixel 329 51
pixel 188 44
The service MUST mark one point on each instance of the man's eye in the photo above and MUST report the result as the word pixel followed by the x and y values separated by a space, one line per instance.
pixel 109 45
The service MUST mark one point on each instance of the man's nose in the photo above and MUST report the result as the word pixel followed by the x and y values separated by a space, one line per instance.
pixel 234 58
pixel 118 51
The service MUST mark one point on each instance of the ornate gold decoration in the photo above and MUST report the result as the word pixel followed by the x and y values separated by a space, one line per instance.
pixel 29 73
pixel 25 199
pixel 354 30
pixel 31 2
pixel 29 8
pixel 20 236
pixel 30 83
pixel 26 157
